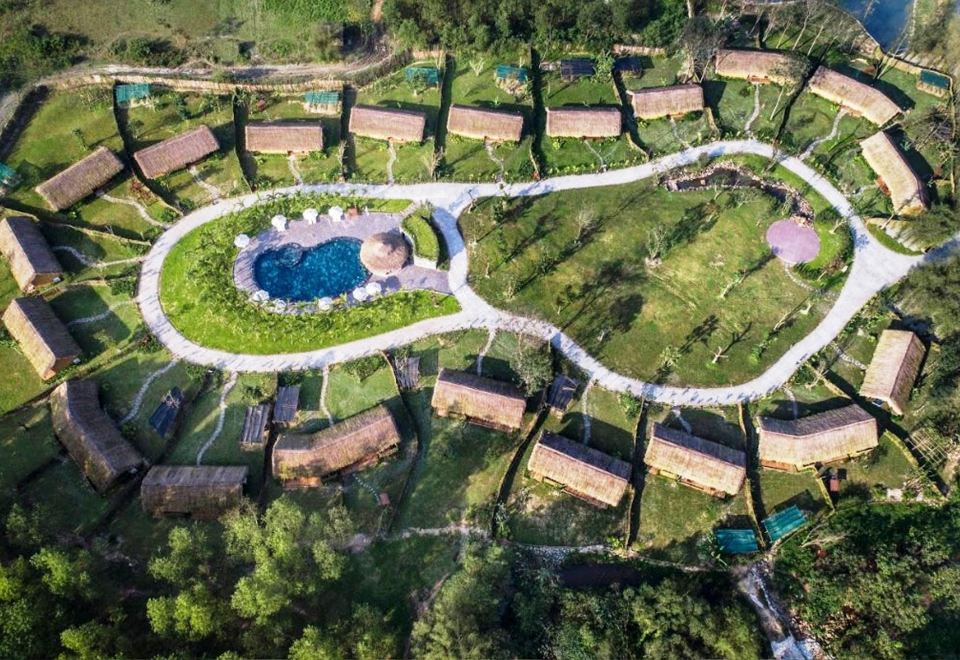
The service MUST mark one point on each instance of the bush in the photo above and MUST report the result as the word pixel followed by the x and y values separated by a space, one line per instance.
pixel 31 52
pixel 363 368
pixel 426 244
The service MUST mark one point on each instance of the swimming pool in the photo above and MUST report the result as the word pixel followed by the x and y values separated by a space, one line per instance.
pixel 294 273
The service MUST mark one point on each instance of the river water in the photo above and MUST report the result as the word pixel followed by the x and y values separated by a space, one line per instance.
pixel 886 21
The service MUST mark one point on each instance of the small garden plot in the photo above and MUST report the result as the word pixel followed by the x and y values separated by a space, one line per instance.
pixel 612 421
pixel 427 242
pixel 211 434
pixel 572 155
pixel 782 489
pixel 27 443
pixel 170 114
pixel 97 317
pixel 274 170
pixel 542 514
pixel 466 159
pixel 734 104
pixel 371 159
pixel 704 310
pixel 65 500
pixel 884 467
pixel 675 521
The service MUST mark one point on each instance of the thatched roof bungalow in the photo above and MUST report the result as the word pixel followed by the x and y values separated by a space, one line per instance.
pixel 672 101
pixel 80 179
pixel 43 337
pixel 284 137
pixel 583 122
pixel 204 492
pixel 303 459
pixel 387 123
pixel 894 369
pixel 90 436
pixel 758 66
pixel 485 124
pixel 583 472
pixel 31 260
pixel 825 437
pixel 177 152
pixel 699 463
pixel 481 401
pixel 857 97
pixel 895 174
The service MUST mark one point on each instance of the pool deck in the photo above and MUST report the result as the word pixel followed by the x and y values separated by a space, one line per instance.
pixel 325 229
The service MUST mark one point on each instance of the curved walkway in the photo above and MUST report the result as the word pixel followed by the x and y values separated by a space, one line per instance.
pixel 874 268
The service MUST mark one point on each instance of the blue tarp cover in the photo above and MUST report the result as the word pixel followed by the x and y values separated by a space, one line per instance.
pixel 784 522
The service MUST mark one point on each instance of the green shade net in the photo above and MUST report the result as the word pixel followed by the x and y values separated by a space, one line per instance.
pixel 736 541
pixel 785 522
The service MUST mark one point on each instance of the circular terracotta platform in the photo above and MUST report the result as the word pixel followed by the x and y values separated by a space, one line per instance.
pixel 792 242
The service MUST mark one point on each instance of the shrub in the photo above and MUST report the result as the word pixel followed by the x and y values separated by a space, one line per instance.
pixel 426 244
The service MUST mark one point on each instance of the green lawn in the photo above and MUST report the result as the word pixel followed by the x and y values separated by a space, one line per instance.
pixel 782 489
pixel 199 296
pixel 425 237
pixel 27 443
pixel 84 303
pixel 626 312
pixel 368 161
pixel 612 430
pixel 273 170
pixel 467 159
pixel 658 71
pixel 66 501
pixel 733 103
pixel 162 119
pixel 885 467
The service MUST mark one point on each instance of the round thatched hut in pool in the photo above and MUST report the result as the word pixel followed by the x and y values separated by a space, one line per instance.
pixel 385 253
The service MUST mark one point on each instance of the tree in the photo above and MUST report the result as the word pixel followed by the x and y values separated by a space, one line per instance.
pixel 532 363
pixel 700 40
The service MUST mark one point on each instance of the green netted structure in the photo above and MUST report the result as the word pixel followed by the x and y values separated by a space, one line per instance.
pixel 131 93
pixel 509 72
pixel 8 177
pixel 784 523
pixel 736 541
pixel 933 83
pixel 321 98
pixel 428 75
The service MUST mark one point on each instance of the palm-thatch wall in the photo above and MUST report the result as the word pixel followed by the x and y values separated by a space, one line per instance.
pixel 481 401
pixel 672 101
pixel 30 258
pixel 584 472
pixel 90 436
pixel 597 122
pixel 43 337
pixel 80 179
pixel 825 437
pixel 759 66
pixel 697 462
pixel 894 369
pixel 177 152
pixel 284 137
pixel 204 492
pixel 344 447
pixel 857 97
pixel 485 124
pixel 896 176
pixel 387 123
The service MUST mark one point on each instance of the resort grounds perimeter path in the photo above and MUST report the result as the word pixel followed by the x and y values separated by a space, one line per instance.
pixel 874 268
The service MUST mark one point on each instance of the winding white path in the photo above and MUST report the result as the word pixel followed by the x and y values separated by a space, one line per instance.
pixel 221 416
pixel 874 268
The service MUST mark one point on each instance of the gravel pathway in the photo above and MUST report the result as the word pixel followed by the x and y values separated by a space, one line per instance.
pixel 756 109
pixel 102 315
pixel 218 429
pixel 142 392
pixel 491 335
pixel 141 209
pixel 323 395
pixel 826 138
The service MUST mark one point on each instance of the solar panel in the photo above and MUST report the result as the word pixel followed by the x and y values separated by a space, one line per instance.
pixel 580 67
pixel 630 64
pixel 736 541
pixel 165 416
pixel 784 522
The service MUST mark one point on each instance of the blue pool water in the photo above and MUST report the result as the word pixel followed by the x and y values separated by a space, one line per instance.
pixel 296 274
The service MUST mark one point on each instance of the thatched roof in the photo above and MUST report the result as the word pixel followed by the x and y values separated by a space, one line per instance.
pixel 821 438
pixel 894 369
pixel 200 491
pixel 481 400
pixel 704 464
pixel 31 260
pixel 905 188
pixel 282 137
pixel 656 102
pixel 387 123
pixel 581 122
pixel 384 253
pixel 80 179
pixel 353 442
pixel 42 336
pixel 177 152
pixel 763 66
pixel 90 436
pixel 485 124
pixel 858 97
pixel 583 471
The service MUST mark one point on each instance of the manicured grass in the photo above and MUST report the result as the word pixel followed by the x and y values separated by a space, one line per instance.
pixel 733 103
pixel 810 399
pixel 426 242
pixel 199 296
pixel 369 162
pixel 21 383
pixel 667 136
pixel 782 489
pixel 85 302
pixel 889 241
pixel 467 159
pixel 884 467
pixel 149 124
pixel 626 312
pixel 611 429
pixel 273 170
pixel 658 71
pixel 348 394
pixel 99 247
pixel 27 443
